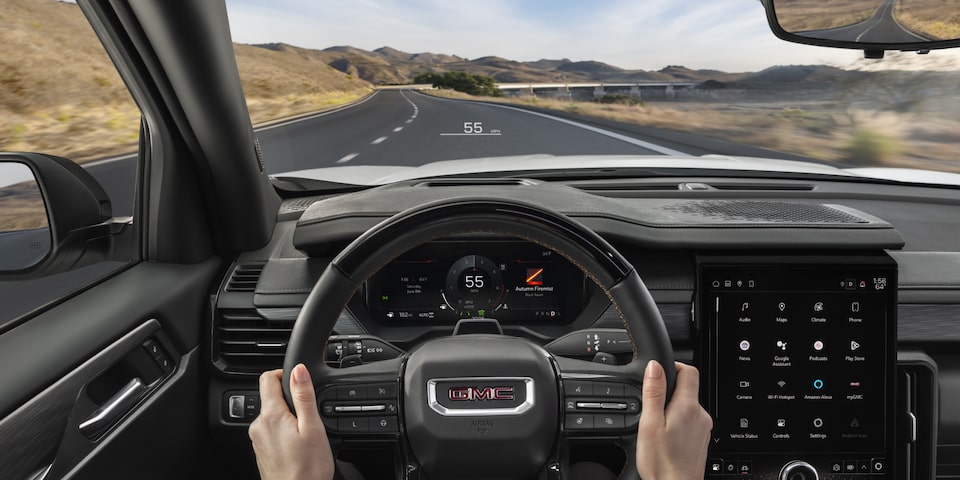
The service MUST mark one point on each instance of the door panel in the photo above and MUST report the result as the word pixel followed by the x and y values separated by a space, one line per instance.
pixel 67 366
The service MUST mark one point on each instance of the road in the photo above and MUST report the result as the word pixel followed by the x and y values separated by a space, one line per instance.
pixel 397 127
pixel 882 27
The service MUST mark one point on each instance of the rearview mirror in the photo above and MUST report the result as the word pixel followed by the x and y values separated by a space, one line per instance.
pixel 870 25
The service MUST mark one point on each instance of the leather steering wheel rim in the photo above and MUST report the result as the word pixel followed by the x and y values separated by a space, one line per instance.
pixel 366 255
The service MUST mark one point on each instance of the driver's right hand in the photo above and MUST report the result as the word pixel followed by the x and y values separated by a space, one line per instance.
pixel 672 439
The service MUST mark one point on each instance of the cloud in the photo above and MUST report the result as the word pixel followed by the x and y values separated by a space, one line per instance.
pixel 729 35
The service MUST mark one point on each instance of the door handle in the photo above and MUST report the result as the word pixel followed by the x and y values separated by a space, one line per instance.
pixel 114 408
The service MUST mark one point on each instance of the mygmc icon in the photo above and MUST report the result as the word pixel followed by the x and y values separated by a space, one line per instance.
pixel 462 394
pixel 480 396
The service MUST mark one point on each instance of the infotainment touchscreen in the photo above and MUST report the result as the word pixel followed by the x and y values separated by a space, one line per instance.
pixel 799 364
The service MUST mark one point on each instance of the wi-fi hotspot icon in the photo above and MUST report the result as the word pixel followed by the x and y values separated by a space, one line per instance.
pixel 781 383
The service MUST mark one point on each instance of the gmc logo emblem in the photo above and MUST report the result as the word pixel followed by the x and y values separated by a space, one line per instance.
pixel 463 394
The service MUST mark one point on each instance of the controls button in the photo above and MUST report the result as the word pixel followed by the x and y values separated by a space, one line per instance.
pixel 236 406
pixel 878 465
pixel 605 421
pixel 571 406
pixel 579 422
pixel 633 406
pixel 352 392
pixel 152 347
pixel 744 467
pixel 715 466
pixel 604 357
pixel 330 424
pixel 575 387
pixel 383 424
pixel 863 466
pixel 849 466
pixel 818 422
pixel 251 406
pixel 165 364
pixel 373 408
pixel 730 467
pixel 347 408
pixel 328 394
pixel 608 389
pixel 353 425
pixel 589 405
pixel 382 390
pixel 613 406
pixel 390 407
pixel 835 466
pixel 327 409
pixel 351 361
pixel 334 351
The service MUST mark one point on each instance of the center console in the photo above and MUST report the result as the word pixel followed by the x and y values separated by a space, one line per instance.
pixel 798 359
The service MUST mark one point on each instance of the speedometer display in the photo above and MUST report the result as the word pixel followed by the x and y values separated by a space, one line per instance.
pixel 513 282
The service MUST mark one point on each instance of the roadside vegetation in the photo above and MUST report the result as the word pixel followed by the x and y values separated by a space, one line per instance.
pixel 469 83
pixel 934 19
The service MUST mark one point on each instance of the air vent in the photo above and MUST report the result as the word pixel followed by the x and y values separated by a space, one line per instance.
pixel 764 187
pixel 246 342
pixel 245 277
pixel 639 187
pixel 766 212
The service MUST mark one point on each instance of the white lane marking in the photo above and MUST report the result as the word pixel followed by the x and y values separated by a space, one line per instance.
pixel 378 141
pixel 322 114
pixel 622 138
pixel 410 121
pixel 348 158
pixel 397 129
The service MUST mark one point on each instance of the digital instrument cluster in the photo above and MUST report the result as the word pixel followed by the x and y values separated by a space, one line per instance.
pixel 510 281
pixel 799 360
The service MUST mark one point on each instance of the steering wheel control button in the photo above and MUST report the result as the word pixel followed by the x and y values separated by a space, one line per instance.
pixel 347 408
pixel 352 392
pixel 383 425
pixel 589 405
pixel 608 389
pixel 382 390
pixel 578 388
pixel 608 422
pixel 353 425
pixel 579 422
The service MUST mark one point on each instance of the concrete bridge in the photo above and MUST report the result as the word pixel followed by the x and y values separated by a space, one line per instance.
pixel 581 91
pixel 596 90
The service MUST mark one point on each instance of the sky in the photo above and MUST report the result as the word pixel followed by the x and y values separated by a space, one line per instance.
pixel 729 35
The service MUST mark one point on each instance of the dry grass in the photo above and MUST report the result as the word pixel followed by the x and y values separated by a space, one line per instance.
pixel 833 131
pixel 21 207
pixel 935 19
pixel 800 16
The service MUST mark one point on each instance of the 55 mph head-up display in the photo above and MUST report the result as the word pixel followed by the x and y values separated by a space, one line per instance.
pixel 798 361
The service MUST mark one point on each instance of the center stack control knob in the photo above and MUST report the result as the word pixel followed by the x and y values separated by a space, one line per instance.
pixel 798 470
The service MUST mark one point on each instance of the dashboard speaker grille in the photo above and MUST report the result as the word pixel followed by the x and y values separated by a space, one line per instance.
pixel 767 212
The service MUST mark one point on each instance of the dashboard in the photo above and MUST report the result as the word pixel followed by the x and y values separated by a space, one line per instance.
pixel 806 309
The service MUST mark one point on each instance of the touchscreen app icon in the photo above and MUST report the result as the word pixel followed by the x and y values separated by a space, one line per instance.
pixel 744 345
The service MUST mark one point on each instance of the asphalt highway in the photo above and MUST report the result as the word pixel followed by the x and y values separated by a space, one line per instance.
pixel 882 27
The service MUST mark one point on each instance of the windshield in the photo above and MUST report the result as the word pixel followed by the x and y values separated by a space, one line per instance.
pixel 437 81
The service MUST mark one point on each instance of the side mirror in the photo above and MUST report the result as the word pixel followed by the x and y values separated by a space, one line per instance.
pixel 51 214
pixel 873 26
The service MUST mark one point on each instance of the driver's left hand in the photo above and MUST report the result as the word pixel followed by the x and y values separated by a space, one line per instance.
pixel 290 447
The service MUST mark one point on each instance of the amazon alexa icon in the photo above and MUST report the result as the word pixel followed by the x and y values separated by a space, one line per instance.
pixel 818 384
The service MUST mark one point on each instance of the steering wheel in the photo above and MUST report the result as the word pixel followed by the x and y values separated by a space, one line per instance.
pixel 478 405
